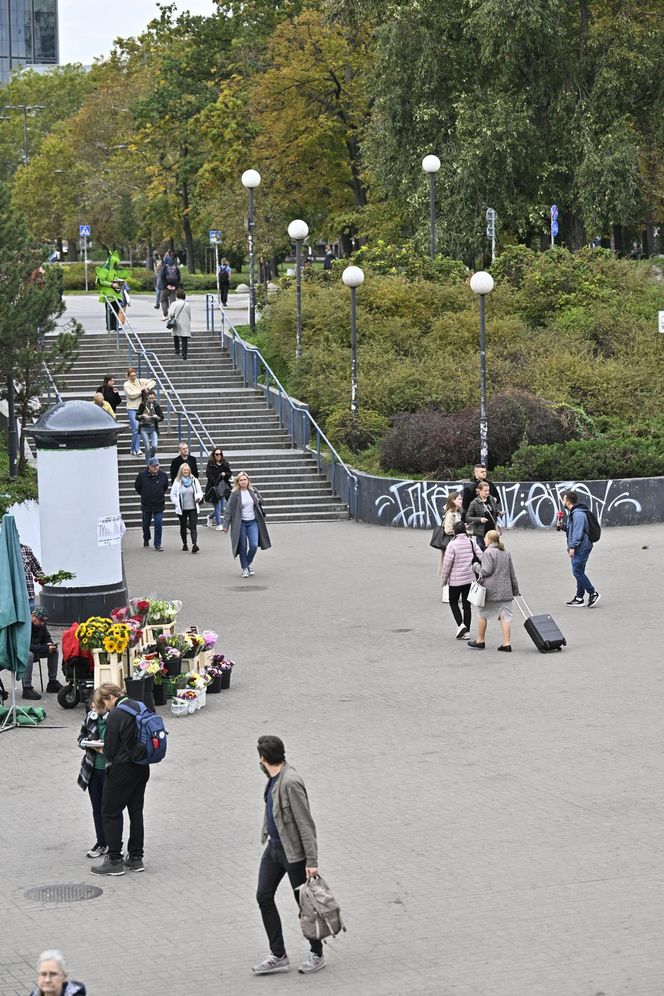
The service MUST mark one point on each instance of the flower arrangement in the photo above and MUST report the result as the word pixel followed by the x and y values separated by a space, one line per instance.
pixel 197 644
pixel 91 633
pixel 161 611
pixel 187 693
pixel 117 638
pixel 219 665
pixel 149 666
pixel 209 638
pixel 195 680
pixel 180 642
pixel 139 608
pixel 58 577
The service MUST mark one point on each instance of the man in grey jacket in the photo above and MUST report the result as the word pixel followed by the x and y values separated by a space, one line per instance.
pixel 290 833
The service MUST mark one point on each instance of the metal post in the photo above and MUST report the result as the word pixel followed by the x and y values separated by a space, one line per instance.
pixel 85 256
pixel 12 431
pixel 484 424
pixel 252 285
pixel 432 213
pixel 354 402
pixel 298 285
pixel 25 135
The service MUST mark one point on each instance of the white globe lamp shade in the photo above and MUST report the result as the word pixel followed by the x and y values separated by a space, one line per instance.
pixel 431 164
pixel 481 282
pixel 298 230
pixel 251 178
pixel 353 276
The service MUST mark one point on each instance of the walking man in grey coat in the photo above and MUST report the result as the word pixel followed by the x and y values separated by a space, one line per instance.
pixel 290 833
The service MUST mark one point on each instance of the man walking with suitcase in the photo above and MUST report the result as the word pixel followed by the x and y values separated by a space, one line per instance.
pixel 292 850
pixel 579 548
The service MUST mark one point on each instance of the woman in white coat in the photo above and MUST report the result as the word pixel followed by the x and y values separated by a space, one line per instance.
pixel 180 314
pixel 186 495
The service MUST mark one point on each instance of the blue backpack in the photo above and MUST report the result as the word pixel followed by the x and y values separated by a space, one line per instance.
pixel 151 735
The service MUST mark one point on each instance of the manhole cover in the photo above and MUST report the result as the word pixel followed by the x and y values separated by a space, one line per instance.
pixel 62 893
pixel 250 587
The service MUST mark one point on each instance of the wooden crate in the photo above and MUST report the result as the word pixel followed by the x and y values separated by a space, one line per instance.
pixel 109 668
pixel 151 632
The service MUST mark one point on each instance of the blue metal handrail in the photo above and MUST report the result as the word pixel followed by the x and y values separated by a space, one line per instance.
pixel 50 384
pixel 297 415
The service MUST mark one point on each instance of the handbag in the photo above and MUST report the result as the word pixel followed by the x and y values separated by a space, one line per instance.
pixel 477 594
pixel 222 489
pixel 446 593
pixel 439 538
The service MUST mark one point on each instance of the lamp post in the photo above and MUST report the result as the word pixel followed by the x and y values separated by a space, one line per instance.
pixel 298 231
pixel 26 108
pixel 353 277
pixel 431 165
pixel 251 179
pixel 481 283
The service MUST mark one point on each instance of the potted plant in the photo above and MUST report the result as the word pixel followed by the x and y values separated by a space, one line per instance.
pixel 189 696
pixel 161 618
pixel 222 667
pixel 209 640
pixel 170 655
pixel 140 685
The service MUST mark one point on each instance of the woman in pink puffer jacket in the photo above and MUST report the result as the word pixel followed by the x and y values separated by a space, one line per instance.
pixel 460 556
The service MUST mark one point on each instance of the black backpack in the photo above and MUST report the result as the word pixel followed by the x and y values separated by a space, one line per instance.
pixel 171 275
pixel 593 528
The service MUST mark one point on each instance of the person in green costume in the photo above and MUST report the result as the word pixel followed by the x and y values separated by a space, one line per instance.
pixel 109 280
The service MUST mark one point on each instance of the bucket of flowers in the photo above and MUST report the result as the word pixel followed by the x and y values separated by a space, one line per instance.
pixel 107 642
pixel 161 617
pixel 197 647
pixel 196 682
pixel 179 706
pixel 123 615
pixel 190 696
pixel 209 639
pixel 220 669
pixel 140 685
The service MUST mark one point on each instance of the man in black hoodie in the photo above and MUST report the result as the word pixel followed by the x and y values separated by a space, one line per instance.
pixel 470 488
pixel 124 787
pixel 152 485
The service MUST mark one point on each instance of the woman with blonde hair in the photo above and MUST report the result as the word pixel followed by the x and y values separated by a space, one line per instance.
pixel 245 517
pixel 451 515
pixel 133 392
pixel 498 577
pixel 186 495
pixel 92 776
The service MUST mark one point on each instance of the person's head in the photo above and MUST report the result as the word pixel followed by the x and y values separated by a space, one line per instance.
pixel 183 449
pixel 224 261
pixel 453 503
pixel 242 481
pixel 483 490
pixel 216 456
pixel 99 399
pixel 152 396
pixel 492 538
pixel 39 616
pixel 459 528
pixel 153 466
pixel 109 694
pixel 184 471
pixel 131 374
pixel 97 702
pixel 51 972
pixel 180 294
pixel 271 753
pixel 479 470
pixel 109 380
pixel 570 498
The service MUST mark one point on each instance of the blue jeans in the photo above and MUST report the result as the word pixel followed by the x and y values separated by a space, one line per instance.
pixel 583 582
pixel 147 519
pixel 217 510
pixel 248 542
pixel 135 431
pixel 157 298
pixel 150 442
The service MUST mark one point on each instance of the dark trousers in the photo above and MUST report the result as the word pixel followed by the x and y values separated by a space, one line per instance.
pixel 460 592
pixel 189 518
pixel 96 791
pixel 124 788
pixel 147 514
pixel 272 869
pixel 181 340
pixel 223 293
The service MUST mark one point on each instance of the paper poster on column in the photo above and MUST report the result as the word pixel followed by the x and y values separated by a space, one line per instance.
pixel 110 530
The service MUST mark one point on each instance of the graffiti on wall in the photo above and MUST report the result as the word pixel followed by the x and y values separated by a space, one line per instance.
pixel 421 503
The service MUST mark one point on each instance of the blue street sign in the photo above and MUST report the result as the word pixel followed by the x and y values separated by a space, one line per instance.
pixel 215 236
pixel 554 228
pixel 554 212
pixel 84 231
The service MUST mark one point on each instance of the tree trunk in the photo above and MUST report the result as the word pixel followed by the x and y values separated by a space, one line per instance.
pixel 72 251
pixel 186 224
pixel 617 242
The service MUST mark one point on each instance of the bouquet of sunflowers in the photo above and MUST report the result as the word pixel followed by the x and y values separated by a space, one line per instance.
pixel 92 633
pixel 117 638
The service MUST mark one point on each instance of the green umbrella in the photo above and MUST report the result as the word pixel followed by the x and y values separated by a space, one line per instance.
pixel 15 616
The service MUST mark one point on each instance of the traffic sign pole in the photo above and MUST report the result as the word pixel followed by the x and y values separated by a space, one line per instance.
pixel 84 235
pixel 554 224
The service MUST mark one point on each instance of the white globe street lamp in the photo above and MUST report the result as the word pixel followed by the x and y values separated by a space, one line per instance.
pixel 431 165
pixel 481 283
pixel 298 231
pixel 251 179
pixel 353 277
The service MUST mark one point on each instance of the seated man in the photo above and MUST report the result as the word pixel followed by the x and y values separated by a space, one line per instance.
pixel 41 645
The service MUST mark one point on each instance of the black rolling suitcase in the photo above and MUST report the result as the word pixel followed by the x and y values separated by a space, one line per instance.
pixel 543 630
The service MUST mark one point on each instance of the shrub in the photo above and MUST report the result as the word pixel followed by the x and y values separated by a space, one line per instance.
pixel 586 460
pixel 141 279
pixel 355 433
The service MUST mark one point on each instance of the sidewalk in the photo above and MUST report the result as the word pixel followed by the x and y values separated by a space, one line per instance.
pixel 491 826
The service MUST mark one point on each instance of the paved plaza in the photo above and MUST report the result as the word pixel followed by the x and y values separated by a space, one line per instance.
pixel 491 823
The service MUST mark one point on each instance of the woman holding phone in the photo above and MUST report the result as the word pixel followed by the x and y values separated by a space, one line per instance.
pixel 92 775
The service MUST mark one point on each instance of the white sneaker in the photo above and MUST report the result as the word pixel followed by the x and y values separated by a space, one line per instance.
pixel 272 964
pixel 312 963
pixel 245 573
pixel 219 529
pixel 251 572
pixel 98 851
pixel 209 523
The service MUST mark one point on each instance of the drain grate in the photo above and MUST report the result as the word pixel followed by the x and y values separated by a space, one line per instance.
pixel 402 631
pixel 250 587
pixel 62 893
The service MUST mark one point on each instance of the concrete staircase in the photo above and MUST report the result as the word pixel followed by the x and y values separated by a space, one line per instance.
pixel 237 418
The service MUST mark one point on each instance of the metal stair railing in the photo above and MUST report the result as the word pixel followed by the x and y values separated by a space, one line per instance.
pixel 293 415
pixel 51 385
pixel 164 384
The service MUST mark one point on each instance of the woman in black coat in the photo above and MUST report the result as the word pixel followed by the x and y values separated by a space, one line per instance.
pixel 218 469
pixel 110 392
pixel 246 520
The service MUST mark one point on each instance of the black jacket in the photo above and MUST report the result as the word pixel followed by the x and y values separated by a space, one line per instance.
pixel 152 488
pixel 152 423
pixel 470 492
pixel 162 276
pixel 177 463
pixel 215 471
pixel 39 641
pixel 111 395
pixel 121 734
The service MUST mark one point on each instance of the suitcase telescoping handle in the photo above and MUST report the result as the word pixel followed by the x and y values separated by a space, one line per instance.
pixel 518 599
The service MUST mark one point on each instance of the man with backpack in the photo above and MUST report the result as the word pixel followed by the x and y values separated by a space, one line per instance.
pixel 170 281
pixel 583 530
pixel 135 738
pixel 292 849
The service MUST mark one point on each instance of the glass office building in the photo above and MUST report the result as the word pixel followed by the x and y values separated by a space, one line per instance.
pixel 28 34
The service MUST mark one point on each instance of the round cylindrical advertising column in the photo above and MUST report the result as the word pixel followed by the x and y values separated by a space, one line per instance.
pixel 79 510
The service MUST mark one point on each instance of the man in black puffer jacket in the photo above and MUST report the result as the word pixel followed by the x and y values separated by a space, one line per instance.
pixel 152 485
pixel 124 787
